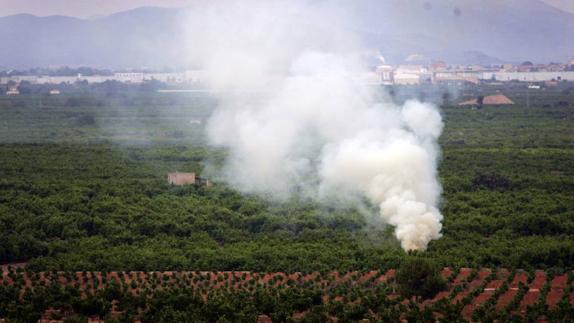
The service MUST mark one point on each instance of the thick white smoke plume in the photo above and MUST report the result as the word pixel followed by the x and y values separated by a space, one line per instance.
pixel 297 116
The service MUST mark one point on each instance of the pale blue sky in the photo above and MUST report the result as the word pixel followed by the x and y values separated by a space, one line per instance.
pixel 91 8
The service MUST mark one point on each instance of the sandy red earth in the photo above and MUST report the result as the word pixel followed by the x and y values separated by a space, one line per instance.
pixel 476 287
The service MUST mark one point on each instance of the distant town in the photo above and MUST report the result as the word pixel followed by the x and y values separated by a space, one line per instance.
pixel 440 72
pixel 437 72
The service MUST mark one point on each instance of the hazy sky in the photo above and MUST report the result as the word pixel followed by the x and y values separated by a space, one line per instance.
pixel 80 8
pixel 91 8
pixel 566 5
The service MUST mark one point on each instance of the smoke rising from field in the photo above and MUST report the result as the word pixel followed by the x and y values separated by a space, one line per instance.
pixel 297 117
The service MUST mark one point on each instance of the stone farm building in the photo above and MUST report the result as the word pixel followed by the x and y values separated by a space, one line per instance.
pixel 180 179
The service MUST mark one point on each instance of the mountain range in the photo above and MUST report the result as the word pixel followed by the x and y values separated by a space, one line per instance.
pixel 473 31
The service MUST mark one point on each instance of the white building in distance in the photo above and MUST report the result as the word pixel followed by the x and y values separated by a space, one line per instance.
pixel 411 75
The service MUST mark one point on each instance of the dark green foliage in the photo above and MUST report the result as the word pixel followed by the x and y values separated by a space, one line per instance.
pixel 491 181
pixel 86 120
pixel 419 277
pixel 83 187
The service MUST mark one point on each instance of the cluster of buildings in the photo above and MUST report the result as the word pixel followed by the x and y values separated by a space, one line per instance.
pixel 412 74
pixel 185 77
pixel 442 73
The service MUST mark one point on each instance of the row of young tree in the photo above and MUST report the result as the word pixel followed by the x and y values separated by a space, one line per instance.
pixel 244 296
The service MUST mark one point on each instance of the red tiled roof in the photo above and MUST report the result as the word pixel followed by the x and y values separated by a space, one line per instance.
pixel 497 99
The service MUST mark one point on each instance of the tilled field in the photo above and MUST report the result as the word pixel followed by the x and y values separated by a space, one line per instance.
pixel 472 295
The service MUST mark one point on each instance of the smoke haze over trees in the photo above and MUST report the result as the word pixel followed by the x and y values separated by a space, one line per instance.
pixel 315 129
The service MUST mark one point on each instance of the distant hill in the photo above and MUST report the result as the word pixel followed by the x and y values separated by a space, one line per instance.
pixel 140 37
pixel 488 30
pixel 485 31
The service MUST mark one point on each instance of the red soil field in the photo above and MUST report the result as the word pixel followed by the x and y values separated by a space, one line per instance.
pixel 483 285
pixel 533 293
pixel 556 292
